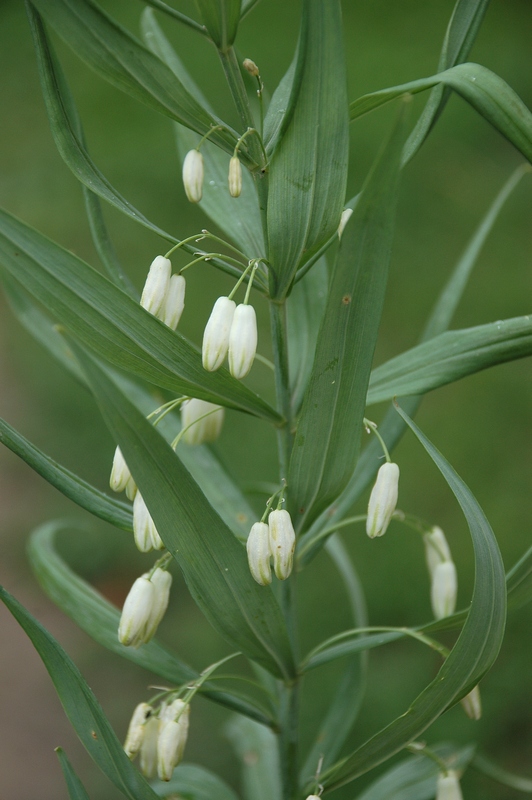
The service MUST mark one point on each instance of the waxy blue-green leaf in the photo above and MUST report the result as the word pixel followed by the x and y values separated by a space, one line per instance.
pixel 194 783
pixel 449 357
pixel 213 563
pixel 99 619
pixel 82 707
pixel 76 790
pixel 471 657
pixel 309 167
pixel 116 55
pixel 111 323
pixel 327 439
pixel 258 755
pixel 220 18
pixel 484 90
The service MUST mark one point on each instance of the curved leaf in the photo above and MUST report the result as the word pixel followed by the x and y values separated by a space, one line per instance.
pixel 76 790
pixel 194 783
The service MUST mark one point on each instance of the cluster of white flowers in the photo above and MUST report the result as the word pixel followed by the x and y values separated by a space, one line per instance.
pixel 159 736
pixel 444 583
pixel 144 608
pixel 231 330
pixel 275 540
pixel 164 294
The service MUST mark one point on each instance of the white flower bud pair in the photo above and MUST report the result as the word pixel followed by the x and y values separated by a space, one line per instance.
pixel 201 421
pixel 383 500
pixel 164 294
pixel 275 540
pixel 232 329
pixel 448 787
pixel 144 531
pixel 121 479
pixel 144 608
pixel 444 583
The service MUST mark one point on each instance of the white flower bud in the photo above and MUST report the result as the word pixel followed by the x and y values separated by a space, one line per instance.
pixel 174 302
pixel 282 542
pixel 216 335
pixel 251 67
pixel 135 732
pixel 242 341
pixel 259 553
pixel 235 177
pixel 201 430
pixel 136 612
pixel 346 213
pixel 148 749
pixel 172 740
pixel 170 712
pixel 193 175
pixel 143 525
pixel 436 548
pixel 131 489
pixel 383 500
pixel 162 581
pixel 120 473
pixel 443 590
pixel 156 286
pixel 448 787
pixel 472 704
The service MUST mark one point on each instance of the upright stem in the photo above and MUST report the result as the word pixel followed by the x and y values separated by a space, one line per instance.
pixel 240 97
pixel 288 739
pixel 282 385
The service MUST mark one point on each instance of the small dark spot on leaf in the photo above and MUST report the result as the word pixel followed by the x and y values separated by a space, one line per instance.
pixel 346 299
pixel 302 510
pixel 94 734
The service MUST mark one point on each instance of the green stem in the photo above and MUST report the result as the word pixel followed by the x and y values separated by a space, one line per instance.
pixel 288 739
pixel 240 96
pixel 282 384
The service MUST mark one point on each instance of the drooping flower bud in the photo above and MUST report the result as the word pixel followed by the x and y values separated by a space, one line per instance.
pixel 174 302
pixel 346 213
pixel 235 177
pixel 136 730
pixel 148 749
pixel 383 500
pixel 282 542
pixel 162 581
pixel 242 341
pixel 259 553
pixel 444 589
pixel 436 548
pixel 448 786
pixel 216 335
pixel 472 704
pixel 251 67
pixel 144 530
pixel 203 421
pixel 136 612
pixel 120 473
pixel 156 286
pixel 172 739
pixel 193 175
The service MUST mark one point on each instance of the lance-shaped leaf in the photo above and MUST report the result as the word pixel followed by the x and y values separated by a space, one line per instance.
pixel 328 434
pixel 76 790
pixel 213 563
pixel 196 783
pixel 483 89
pixel 449 357
pixel 112 323
pixel 116 55
pixel 82 707
pixel 471 657
pixel 99 619
pixel 221 18
pixel 280 109
pixel 309 168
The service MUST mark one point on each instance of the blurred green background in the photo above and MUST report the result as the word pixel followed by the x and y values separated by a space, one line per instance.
pixel 482 425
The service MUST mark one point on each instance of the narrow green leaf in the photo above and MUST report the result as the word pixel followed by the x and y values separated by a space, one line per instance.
pixel 67 482
pixel 221 18
pixel 194 783
pixel 308 170
pixel 113 324
pixel 471 657
pixel 76 790
pixel 484 90
pixel 280 109
pixel 449 357
pixel 81 707
pixel 213 563
pixel 164 7
pixel 502 776
pixel 327 439
pixel 99 619
pixel 258 754
pixel 519 581
pixel 247 6
pixel 116 55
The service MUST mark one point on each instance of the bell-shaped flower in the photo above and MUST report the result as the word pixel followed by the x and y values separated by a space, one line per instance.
pixel 144 531
pixel 444 589
pixel 448 787
pixel 193 175
pixel 202 420
pixel 235 177
pixel 242 341
pixel 121 478
pixel 174 302
pixel 162 581
pixel 437 549
pixel 259 553
pixel 156 286
pixel 346 213
pixel 173 732
pixel 136 730
pixel 282 542
pixel 148 749
pixel 383 500
pixel 216 334
pixel 472 704
pixel 136 612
